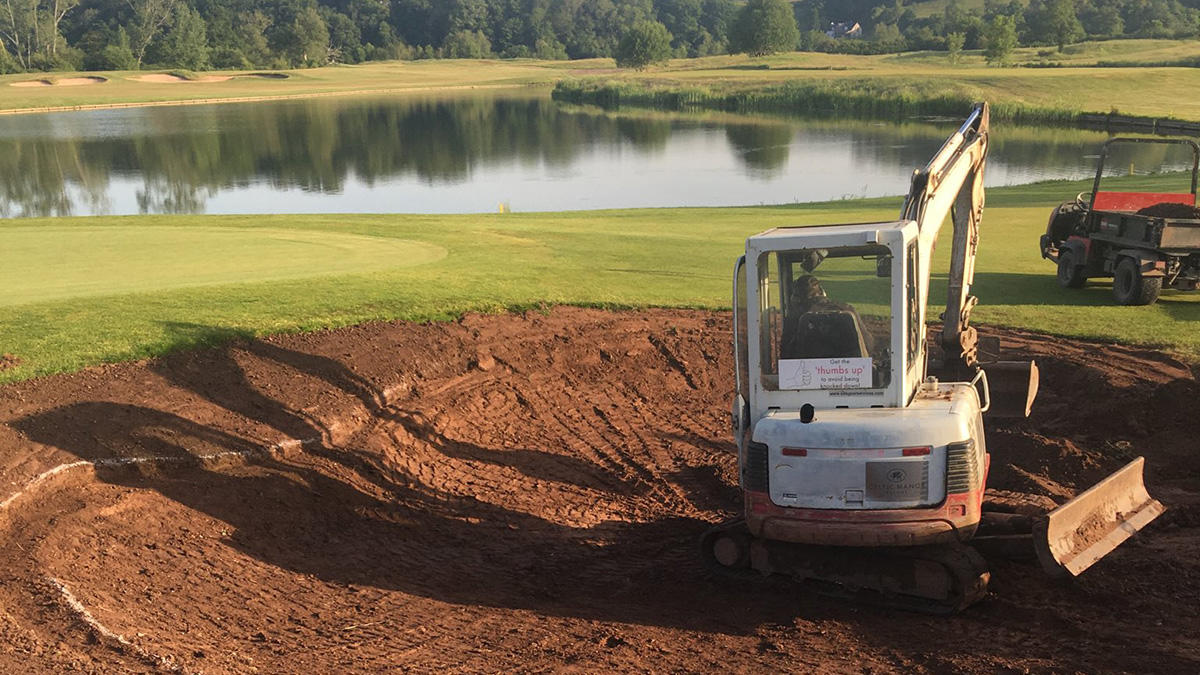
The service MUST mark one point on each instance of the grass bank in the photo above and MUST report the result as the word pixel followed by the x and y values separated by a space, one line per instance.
pixel 879 99
pixel 82 291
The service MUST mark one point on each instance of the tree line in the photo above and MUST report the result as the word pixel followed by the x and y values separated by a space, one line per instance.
pixel 204 34
pixel 894 25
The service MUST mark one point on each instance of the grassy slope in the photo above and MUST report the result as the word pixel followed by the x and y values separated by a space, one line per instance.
pixel 161 300
pixel 1144 91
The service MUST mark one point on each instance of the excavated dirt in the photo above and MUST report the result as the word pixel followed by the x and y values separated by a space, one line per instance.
pixel 524 493
pixel 1171 210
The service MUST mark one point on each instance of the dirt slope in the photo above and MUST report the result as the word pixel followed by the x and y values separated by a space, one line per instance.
pixel 522 493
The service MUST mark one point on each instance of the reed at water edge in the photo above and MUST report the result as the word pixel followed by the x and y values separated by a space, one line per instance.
pixel 863 99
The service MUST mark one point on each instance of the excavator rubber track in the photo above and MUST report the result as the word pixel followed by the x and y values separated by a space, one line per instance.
pixel 941 579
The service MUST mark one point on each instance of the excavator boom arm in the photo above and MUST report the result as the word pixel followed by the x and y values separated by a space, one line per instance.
pixel 952 184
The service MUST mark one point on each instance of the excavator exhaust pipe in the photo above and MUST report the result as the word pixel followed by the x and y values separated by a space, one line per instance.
pixel 1072 537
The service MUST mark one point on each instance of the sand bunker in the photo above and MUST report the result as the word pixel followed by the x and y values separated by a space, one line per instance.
pixel 161 78
pixel 78 81
pixel 62 82
pixel 524 493
pixel 168 78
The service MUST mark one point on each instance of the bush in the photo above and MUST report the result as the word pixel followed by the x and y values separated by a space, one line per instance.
pixel 1001 39
pixel 516 52
pixel 550 50
pixel 467 44
pixel 7 63
pixel 645 43
pixel 111 57
pixel 954 46
pixel 67 58
pixel 764 27
pixel 229 58
pixel 395 51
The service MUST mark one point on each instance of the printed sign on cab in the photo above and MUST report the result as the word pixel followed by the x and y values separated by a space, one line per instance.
pixel 852 373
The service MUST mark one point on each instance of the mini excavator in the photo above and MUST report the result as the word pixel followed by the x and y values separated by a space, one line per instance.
pixel 861 447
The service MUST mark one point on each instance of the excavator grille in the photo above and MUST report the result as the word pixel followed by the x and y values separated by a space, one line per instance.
pixel 754 474
pixel 961 472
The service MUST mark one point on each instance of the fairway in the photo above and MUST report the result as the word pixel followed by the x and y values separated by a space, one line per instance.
pixel 45 262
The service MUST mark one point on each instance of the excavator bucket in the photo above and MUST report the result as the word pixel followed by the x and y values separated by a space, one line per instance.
pixel 1075 535
pixel 1013 387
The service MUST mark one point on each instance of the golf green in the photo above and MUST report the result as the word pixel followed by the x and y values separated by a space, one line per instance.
pixel 57 262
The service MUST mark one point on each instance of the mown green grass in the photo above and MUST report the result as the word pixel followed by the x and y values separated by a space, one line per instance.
pixel 171 282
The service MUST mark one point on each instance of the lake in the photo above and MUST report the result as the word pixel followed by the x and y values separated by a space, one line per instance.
pixel 472 154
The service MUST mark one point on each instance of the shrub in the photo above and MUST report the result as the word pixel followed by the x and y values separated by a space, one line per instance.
pixel 645 43
pixel 467 44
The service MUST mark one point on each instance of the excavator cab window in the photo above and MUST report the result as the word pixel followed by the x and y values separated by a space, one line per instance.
pixel 826 318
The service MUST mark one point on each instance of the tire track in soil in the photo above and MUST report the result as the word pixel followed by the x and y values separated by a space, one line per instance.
pixel 527 496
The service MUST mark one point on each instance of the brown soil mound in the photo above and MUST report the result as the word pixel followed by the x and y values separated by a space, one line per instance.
pixel 522 493
pixel 1171 210
pixel 8 361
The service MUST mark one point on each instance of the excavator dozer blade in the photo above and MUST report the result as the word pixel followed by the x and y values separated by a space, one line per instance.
pixel 1075 535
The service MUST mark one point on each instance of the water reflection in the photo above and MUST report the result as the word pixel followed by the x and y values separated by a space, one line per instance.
pixel 764 148
pixel 446 155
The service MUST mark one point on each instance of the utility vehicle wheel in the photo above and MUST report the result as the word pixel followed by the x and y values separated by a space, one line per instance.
pixel 1131 288
pixel 1070 274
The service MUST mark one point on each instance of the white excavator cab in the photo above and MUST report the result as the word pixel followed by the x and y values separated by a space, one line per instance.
pixel 833 326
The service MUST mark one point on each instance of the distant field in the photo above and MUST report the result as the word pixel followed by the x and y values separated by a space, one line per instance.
pixel 923 8
pixel 1148 90
pixel 80 291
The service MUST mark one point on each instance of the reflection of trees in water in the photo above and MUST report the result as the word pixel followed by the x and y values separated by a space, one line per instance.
pixel 312 145
pixel 764 148
pixel 183 156
pixel 1151 158
pixel 35 179
pixel 648 135
pixel 161 196
pixel 911 144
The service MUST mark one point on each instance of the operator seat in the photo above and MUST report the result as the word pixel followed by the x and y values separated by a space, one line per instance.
pixel 822 333
pixel 820 328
